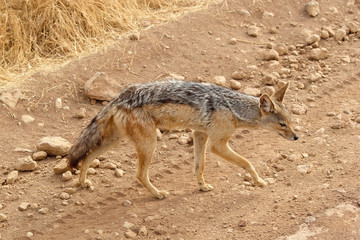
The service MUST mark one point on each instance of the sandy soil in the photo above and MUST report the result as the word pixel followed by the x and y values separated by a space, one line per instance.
pixel 323 203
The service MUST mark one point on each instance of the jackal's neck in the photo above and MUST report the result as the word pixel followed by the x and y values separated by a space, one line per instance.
pixel 246 110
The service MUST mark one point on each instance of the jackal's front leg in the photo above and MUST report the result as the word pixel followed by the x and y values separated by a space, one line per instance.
pixel 200 140
pixel 222 149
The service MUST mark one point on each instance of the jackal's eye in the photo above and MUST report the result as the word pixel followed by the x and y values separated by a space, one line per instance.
pixel 282 124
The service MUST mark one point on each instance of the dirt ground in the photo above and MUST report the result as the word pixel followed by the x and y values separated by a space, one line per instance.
pixel 323 203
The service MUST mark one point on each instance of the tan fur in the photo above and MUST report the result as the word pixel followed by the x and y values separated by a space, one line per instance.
pixel 139 126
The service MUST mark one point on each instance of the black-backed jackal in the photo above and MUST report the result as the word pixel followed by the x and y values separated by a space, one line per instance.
pixel 213 112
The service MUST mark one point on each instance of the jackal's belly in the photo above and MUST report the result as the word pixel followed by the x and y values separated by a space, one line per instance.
pixel 176 116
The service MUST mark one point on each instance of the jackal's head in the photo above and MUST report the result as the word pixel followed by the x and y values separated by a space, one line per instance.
pixel 274 115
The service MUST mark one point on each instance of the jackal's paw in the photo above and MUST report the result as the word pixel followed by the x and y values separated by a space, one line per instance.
pixel 162 194
pixel 206 188
pixel 260 182
pixel 86 184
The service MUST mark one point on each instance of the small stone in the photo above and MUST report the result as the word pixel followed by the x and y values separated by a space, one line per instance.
pixel 270 180
pixel 232 41
pixel 238 75
pixel 340 34
pixel 242 223
pixel 81 113
pixel 281 49
pixel 24 206
pixel 252 91
pixel 11 97
pixel 3 217
pixel 44 210
pixel 61 166
pixel 109 165
pixel 313 89
pixel 58 103
pixel 134 36
pixel 64 196
pixel 151 218
pixel 160 230
pixel 253 31
pixel 29 234
pixel 312 8
pixel 143 231
pixel 95 163
pixel 269 90
pixel 119 172
pixel 27 119
pixel 101 87
pixel 269 79
pixel 66 176
pixel 128 225
pixel 353 27
pixel 26 164
pixel 303 169
pixel 236 85
pixel 357 119
pixel 270 55
pixel 318 54
pixel 12 177
pixel 91 171
pixel 314 77
pixel 40 155
pixel 298 109
pixel 56 146
pixel 184 140
pixel 127 203
pixel 130 234
pixel 329 30
pixel 324 34
pixel 312 39
pixel 219 80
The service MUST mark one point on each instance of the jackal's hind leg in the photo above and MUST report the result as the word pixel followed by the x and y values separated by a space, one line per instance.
pixel 222 149
pixel 200 141
pixel 145 143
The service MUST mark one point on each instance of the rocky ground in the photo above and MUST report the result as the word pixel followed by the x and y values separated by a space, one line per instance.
pixel 313 187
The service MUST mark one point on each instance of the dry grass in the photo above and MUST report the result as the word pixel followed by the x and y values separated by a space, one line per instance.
pixel 34 30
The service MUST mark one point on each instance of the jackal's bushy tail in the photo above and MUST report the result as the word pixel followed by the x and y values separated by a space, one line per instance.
pixel 91 137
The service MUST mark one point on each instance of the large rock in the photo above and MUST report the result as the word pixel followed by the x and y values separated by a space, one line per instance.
pixel 57 146
pixel 10 98
pixel 101 87
pixel 26 164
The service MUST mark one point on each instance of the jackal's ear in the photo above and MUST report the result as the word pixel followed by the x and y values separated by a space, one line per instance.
pixel 280 94
pixel 266 104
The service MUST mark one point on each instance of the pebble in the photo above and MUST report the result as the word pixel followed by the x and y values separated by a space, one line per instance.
pixel 134 36
pixel 270 55
pixel 252 91
pixel 151 218
pixel 56 146
pixel 24 206
pixel 95 163
pixel 11 97
pixel 219 80
pixel 109 165
pixel 158 134
pixel 353 27
pixel 58 103
pixel 3 217
pixel 91 171
pixel 312 39
pixel 340 34
pixel 61 166
pixel 324 34
pixel 269 79
pixel 184 139
pixel 329 30
pixel 298 109
pixel 281 49
pixel 44 210
pixel 26 164
pixel 27 119
pixel 130 234
pixel 303 169
pixel 119 172
pixel 81 113
pixel 314 77
pixel 238 75
pixel 253 31
pixel 40 155
pixel 12 177
pixel 127 203
pixel 66 176
pixel 143 231
pixel 29 234
pixel 234 84
pixel 232 41
pixel 269 90
pixel 312 8
pixel 64 196
pixel 318 54
pixel 128 225
pixel 244 12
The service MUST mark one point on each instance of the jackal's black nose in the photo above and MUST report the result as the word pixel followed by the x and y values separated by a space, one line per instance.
pixel 296 137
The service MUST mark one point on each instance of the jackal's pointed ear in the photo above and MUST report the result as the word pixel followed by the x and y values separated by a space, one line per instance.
pixel 266 104
pixel 280 94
